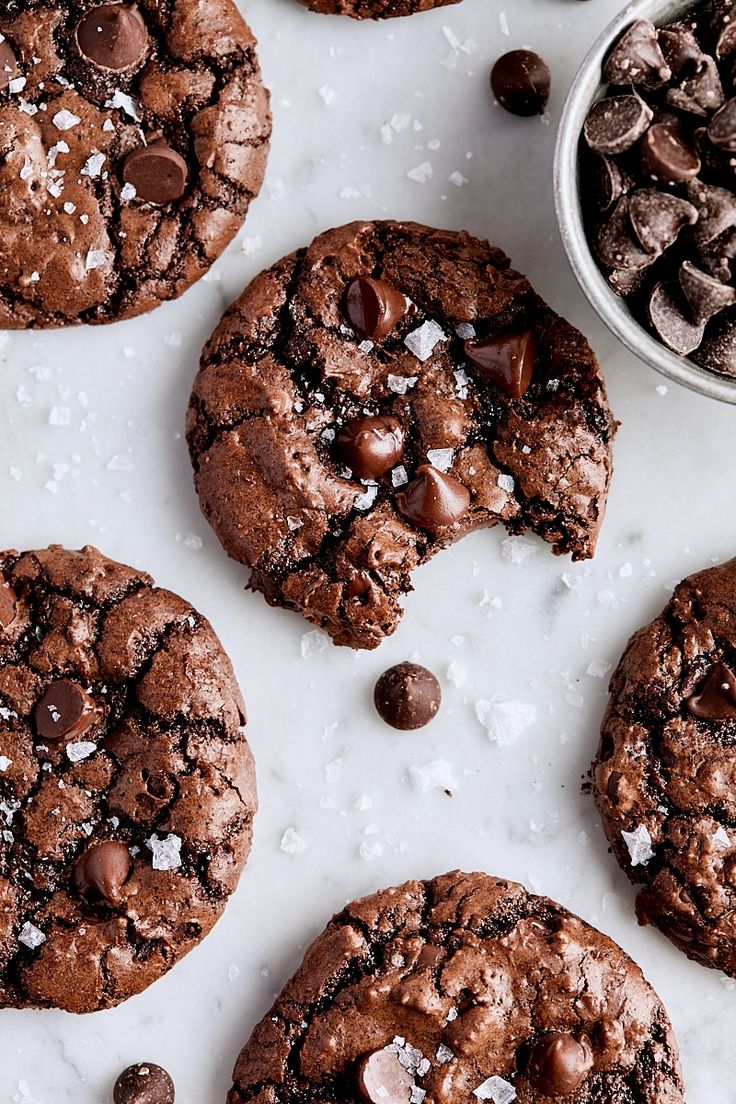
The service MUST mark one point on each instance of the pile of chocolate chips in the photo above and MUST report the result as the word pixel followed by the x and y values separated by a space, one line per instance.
pixel 658 177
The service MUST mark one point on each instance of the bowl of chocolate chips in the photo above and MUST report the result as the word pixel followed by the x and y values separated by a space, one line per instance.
pixel 645 185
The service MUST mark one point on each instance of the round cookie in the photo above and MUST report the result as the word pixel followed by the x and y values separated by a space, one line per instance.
pixel 127 788
pixel 459 989
pixel 134 137
pixel 664 777
pixel 374 9
pixel 373 398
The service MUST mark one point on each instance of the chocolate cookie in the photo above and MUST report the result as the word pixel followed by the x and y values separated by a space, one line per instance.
pixel 373 398
pixel 134 137
pixel 665 774
pixel 459 989
pixel 374 9
pixel 127 789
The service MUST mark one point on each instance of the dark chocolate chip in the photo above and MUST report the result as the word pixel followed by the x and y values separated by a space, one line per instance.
pixel 64 712
pixel 407 696
pixel 718 351
pixel 113 36
pixel 616 244
pixel 716 210
pixel 722 127
pixel 627 282
pixel 103 870
pixel 507 360
pixel 610 182
pixel 705 294
pixel 666 155
pixel 381 1079
pixel 700 94
pixel 668 315
pixel 724 29
pixel 433 500
pixel 637 58
pixel 373 307
pixel 716 698
pixel 8 604
pixel 8 65
pixel 157 172
pixel 371 446
pixel 559 1063
pixel 658 218
pixel 144 1083
pixel 615 123
pixel 521 82
pixel 681 50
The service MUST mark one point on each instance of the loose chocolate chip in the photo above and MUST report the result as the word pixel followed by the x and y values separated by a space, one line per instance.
pixel 113 36
pixel 433 500
pixel 718 351
pixel 722 127
pixel 559 1063
pixel 381 1079
pixel 371 446
pixel 8 604
pixel 8 64
pixel 507 360
pixel 667 157
pixel 103 870
pixel 637 58
pixel 373 307
pixel 658 218
pixel 157 172
pixel 716 210
pixel 407 696
pixel 681 50
pixel 616 245
pixel 521 82
pixel 144 1083
pixel 615 123
pixel 700 94
pixel 705 294
pixel 716 698
pixel 64 711
pixel 667 312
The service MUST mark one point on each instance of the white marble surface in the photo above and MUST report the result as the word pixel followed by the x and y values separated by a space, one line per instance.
pixel 527 632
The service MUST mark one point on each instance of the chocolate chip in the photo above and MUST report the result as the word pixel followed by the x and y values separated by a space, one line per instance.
pixel 433 500
pixel 705 294
pixel 381 1079
pixel 716 210
pixel 667 313
pixel 722 127
pixel 8 64
pixel 715 257
pixel 627 282
pixel 113 36
pixel 371 446
pixel 8 604
pixel 615 123
pixel 559 1063
pixel 658 217
pixel 64 711
pixel 407 696
pixel 610 182
pixel 724 30
pixel 718 351
pixel 716 698
pixel 507 360
pixel 700 94
pixel 680 49
pixel 103 870
pixel 521 82
pixel 667 157
pixel 373 307
pixel 157 172
pixel 144 1083
pixel 615 243
pixel 637 58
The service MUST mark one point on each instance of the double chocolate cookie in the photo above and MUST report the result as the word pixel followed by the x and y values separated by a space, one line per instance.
pixel 459 989
pixel 133 137
pixel 127 788
pixel 374 9
pixel 373 398
pixel 665 774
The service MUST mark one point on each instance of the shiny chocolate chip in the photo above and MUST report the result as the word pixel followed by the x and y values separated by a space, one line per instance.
pixel 521 82
pixel 637 58
pixel 64 712
pixel 433 500
pixel 157 172
pixel 559 1063
pixel 103 870
pixel 706 296
pixel 407 696
pixel 722 127
pixel 669 318
pixel 507 360
pixel 381 1079
pixel 614 124
pixel 658 217
pixel 144 1083
pixel 373 307
pixel 715 700
pixel 371 446
pixel 667 157
pixel 113 36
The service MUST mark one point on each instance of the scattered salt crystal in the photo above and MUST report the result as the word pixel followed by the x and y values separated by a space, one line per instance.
pixel 93 165
pixel 444 1054
pixel 31 936
pixel 505 721
pixel 457 179
pixel 661 389
pixel 506 483
pixel 76 752
pixel 517 549
pixel 329 95
pixel 497 1090
pixel 124 103
pixel 192 541
pixel 639 843
pixel 421 173
pixel 250 246
pixel 5 762
pixel 720 836
pixel 65 120
pixel 120 463
pixel 598 668
pixel 233 973
pixel 166 852
pixel 465 331
pixel 441 458
pixel 314 642
pixel 70 208
pixel 365 346
pixel 399 477
pixel 438 774
pixel 365 500
pixel 421 342
pixel 457 674
pixel 606 598
pixel 294 523
pixel 292 843
pixel 17 84
pixel 401 384
pixel 462 380
pixel 95 259
pixel 369 851
pixel 59 416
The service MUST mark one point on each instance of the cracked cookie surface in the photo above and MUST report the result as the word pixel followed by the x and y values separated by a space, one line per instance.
pixel 419 360
pixel 665 774
pixel 127 787
pixel 132 139
pixel 374 9
pixel 461 988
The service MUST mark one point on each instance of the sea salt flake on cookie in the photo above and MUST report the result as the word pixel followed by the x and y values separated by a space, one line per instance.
pixel 639 844
pixel 166 852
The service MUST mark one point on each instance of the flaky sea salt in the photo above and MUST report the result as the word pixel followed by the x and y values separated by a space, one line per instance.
pixel 444 1054
pixel 93 165
pixel 422 342
pixel 365 500
pixel 505 721
pixel 465 331
pixel 399 478
pixel 5 762
pixel 128 192
pixel 517 549
pixel 496 1090
pixel 166 852
pixel 292 843
pixel 457 674
pixel 720 837
pixel 441 458
pixel 639 843
pixel 401 384
pixel 31 936
pixel 506 482
pixel 435 775
pixel 76 752
pixel 124 103
pixel 95 259
pixel 314 642
pixel 65 120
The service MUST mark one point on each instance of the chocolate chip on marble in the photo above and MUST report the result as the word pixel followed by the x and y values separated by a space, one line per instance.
pixel 559 1063
pixel 700 94
pixel 407 696
pixel 381 1079
pixel 64 712
pixel 637 58
pixel 8 64
pixel 716 698
pixel 374 307
pixel 507 359
pixel 668 315
pixel 113 36
pixel 658 217
pixel 102 871
pixel 716 210
pixel 615 242
pixel 157 172
pixel 722 127
pixel 144 1083
pixel 371 446
pixel 666 155
pixel 8 604
pixel 705 294
pixel 521 82
pixel 718 351
pixel 433 500
pixel 614 124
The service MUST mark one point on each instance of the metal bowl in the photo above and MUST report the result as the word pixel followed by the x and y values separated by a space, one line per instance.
pixel 588 87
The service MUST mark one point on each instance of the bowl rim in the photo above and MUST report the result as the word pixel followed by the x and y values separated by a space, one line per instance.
pixel 611 309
